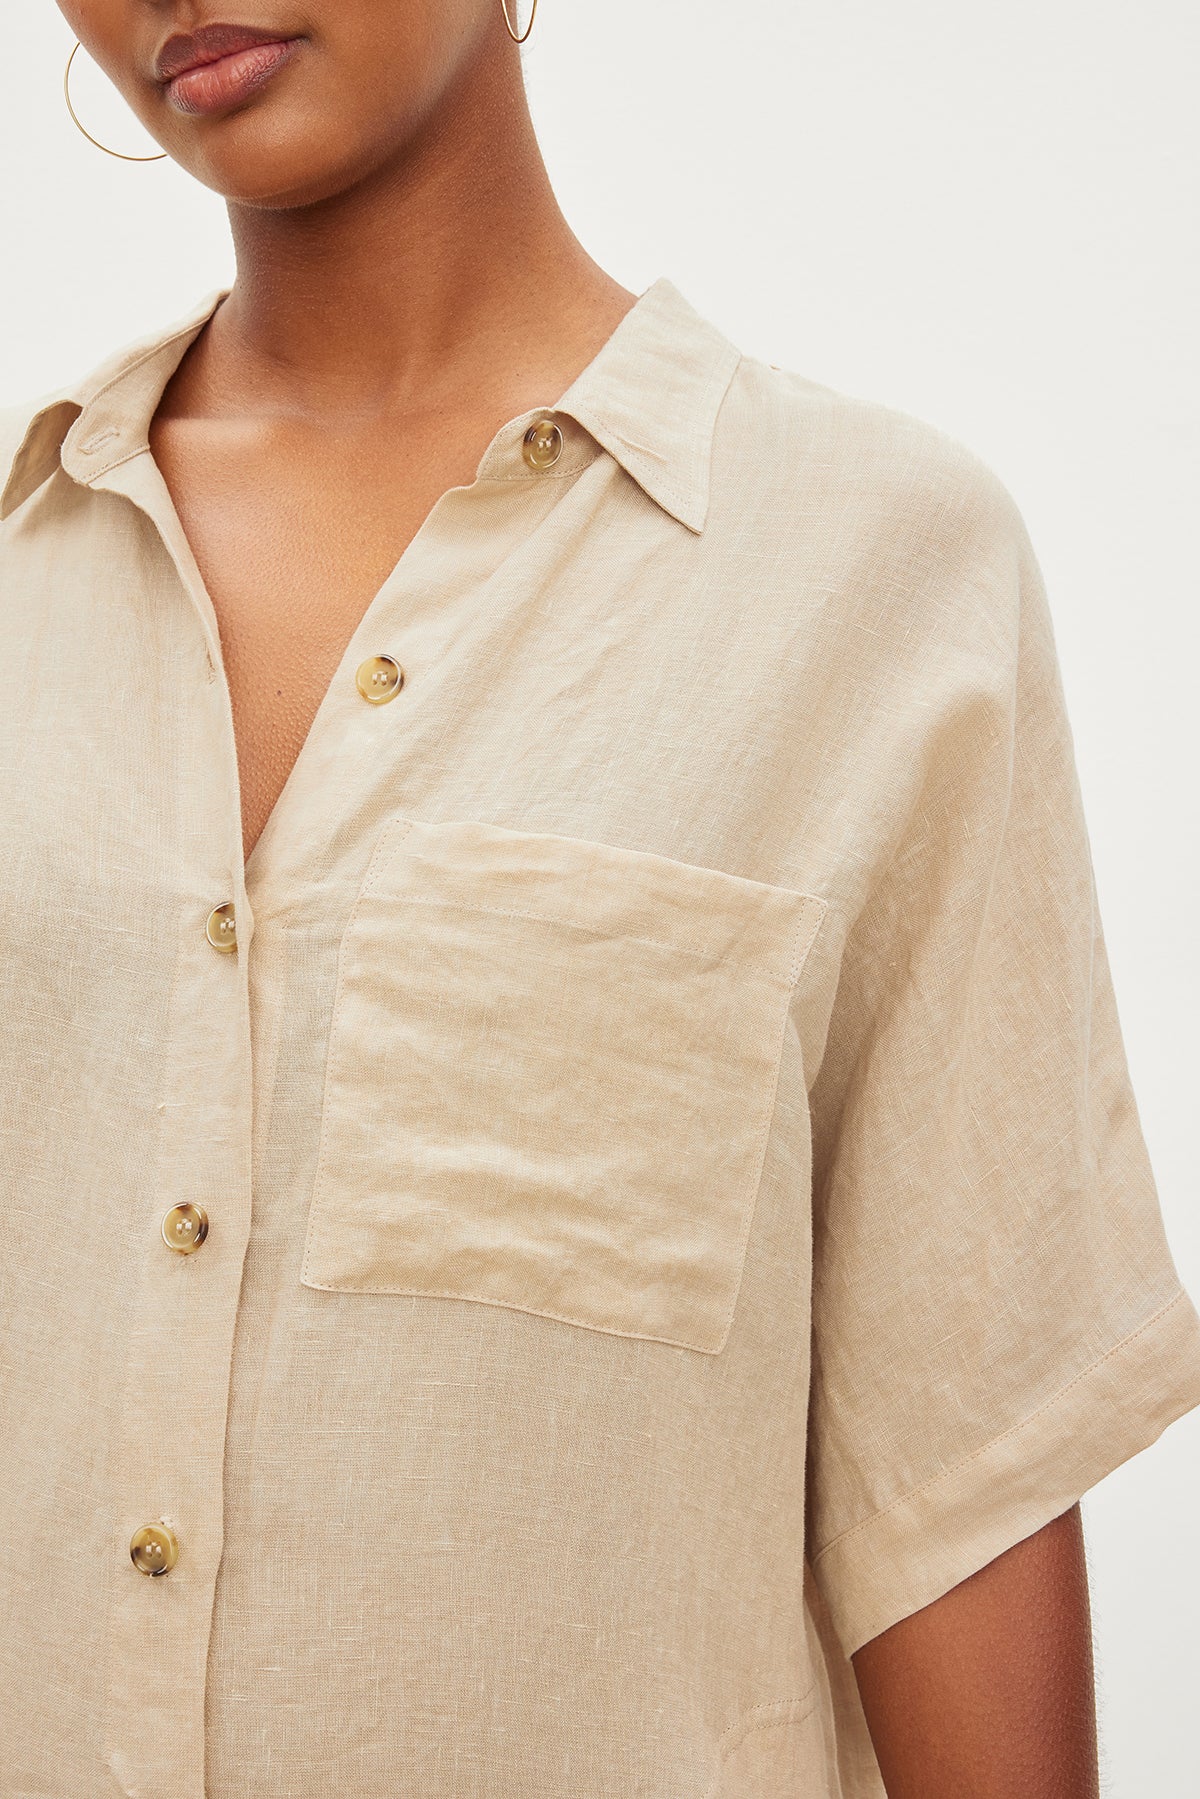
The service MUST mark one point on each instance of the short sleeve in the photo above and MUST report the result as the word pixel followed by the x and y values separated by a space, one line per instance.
pixel 997 1318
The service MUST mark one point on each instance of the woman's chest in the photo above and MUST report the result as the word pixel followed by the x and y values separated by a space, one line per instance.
pixel 293 532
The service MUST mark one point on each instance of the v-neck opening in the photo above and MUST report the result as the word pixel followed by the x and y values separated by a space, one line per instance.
pixel 659 328
pixel 159 507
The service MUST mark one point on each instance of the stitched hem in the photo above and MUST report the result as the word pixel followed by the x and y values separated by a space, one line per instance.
pixel 922 1544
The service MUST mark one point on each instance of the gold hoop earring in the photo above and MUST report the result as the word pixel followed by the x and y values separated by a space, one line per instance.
pixel 512 34
pixel 80 126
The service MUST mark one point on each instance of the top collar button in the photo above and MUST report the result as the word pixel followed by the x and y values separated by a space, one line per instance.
pixel 542 445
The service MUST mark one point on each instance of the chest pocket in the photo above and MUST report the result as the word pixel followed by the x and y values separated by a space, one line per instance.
pixel 551 1071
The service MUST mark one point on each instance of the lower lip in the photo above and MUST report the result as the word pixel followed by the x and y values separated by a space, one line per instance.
pixel 217 86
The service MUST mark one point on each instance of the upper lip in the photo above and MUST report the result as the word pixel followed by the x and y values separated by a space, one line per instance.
pixel 192 49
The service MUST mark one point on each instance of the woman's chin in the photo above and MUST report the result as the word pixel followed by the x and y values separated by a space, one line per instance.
pixel 278 174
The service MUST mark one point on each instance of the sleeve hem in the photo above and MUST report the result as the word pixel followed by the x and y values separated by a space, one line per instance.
pixel 917 1548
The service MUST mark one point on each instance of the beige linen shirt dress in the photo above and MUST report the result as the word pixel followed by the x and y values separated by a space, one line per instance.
pixel 634 1186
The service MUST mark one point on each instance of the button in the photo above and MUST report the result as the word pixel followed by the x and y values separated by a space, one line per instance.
pixel 184 1228
pixel 154 1549
pixel 543 444
pixel 379 679
pixel 221 928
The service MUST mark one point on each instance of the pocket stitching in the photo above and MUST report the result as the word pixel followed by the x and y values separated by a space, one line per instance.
pixel 800 954
pixel 512 1305
pixel 396 826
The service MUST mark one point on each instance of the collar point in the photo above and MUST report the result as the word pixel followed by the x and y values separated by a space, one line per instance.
pixel 692 514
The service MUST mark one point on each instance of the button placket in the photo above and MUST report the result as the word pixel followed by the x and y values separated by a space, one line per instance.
pixel 170 1415
pixel 169 1488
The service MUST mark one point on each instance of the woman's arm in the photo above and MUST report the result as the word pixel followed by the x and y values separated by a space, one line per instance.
pixel 988 1693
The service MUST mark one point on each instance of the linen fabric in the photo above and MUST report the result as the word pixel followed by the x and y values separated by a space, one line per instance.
pixel 676 1200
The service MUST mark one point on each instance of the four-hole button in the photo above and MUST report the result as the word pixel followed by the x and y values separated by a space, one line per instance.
pixel 379 679
pixel 542 444
pixel 184 1228
pixel 154 1549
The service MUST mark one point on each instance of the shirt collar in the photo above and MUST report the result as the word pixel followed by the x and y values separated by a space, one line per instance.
pixel 92 425
pixel 650 397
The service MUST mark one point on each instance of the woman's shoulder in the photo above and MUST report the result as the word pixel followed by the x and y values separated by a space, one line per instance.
pixel 797 442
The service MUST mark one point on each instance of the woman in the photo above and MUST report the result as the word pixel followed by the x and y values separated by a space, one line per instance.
pixel 574 1220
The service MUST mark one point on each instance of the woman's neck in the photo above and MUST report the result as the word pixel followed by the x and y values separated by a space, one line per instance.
pixel 448 268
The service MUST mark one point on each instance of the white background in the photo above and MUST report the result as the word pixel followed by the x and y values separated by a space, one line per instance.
pixel 984 215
